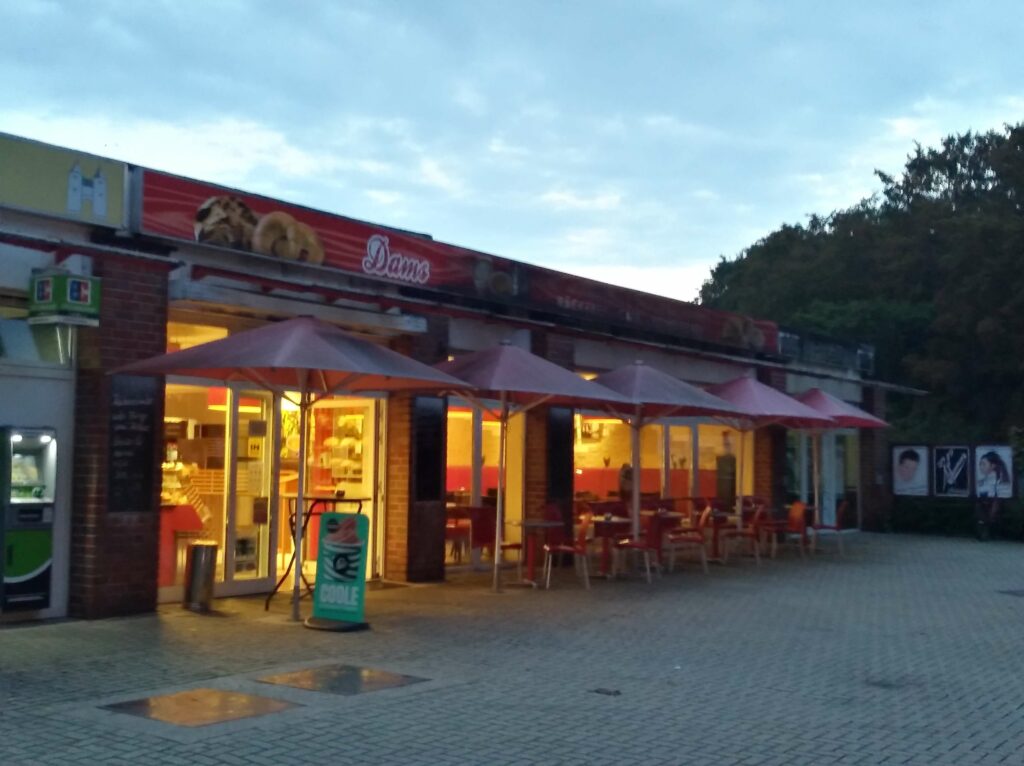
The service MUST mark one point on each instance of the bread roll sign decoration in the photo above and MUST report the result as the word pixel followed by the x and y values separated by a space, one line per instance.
pixel 381 262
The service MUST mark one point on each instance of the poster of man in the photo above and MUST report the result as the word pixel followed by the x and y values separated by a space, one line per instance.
pixel 993 471
pixel 910 470
pixel 951 473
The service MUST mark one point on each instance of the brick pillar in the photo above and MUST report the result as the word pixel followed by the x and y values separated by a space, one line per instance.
pixel 397 479
pixel 876 496
pixel 764 463
pixel 535 470
pixel 114 555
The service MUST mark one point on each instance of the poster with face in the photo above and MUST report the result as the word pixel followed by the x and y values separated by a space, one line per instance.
pixel 951 472
pixel 993 470
pixel 910 470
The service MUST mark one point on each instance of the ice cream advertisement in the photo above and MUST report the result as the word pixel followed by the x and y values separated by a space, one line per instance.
pixel 341 567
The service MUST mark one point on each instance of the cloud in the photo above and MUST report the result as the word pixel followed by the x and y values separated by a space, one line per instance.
pixel 563 199
pixel 499 146
pixel 680 282
pixel 470 99
pixel 384 197
pixel 431 173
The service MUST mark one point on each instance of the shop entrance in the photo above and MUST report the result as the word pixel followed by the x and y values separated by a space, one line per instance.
pixel 223 446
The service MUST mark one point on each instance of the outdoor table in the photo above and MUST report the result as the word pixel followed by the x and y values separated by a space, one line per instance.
pixel 608 527
pixel 532 529
pixel 315 505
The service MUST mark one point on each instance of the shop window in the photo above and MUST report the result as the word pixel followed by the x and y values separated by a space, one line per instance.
pixel 720 466
pixel 182 335
pixel 602 453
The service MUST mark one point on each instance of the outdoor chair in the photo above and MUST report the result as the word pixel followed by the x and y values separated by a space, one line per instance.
pixel 751 533
pixel 684 538
pixel 578 548
pixel 837 528
pixel 648 543
pixel 794 529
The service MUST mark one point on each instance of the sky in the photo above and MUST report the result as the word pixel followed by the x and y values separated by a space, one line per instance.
pixel 633 141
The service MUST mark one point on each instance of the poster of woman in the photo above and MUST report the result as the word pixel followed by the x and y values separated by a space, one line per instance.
pixel 993 471
pixel 910 470
pixel 951 472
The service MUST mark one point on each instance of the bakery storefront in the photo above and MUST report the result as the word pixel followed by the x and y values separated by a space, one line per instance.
pixel 190 262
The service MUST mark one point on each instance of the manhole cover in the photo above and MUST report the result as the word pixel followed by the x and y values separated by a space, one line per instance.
pixel 342 679
pixel 200 707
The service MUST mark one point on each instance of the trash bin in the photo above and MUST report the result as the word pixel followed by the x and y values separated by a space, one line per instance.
pixel 199 570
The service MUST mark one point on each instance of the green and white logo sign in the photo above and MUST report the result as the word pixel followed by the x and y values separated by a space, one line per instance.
pixel 341 567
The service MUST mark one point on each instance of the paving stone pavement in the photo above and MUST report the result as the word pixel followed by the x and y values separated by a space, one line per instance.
pixel 903 652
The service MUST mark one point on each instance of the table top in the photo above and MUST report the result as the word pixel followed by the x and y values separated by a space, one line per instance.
pixel 538 523
pixel 612 520
pixel 664 514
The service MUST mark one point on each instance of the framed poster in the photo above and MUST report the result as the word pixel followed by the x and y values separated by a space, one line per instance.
pixel 951 471
pixel 910 470
pixel 993 470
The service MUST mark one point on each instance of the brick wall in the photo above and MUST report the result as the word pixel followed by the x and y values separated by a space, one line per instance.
pixel 876 497
pixel 114 556
pixel 399 462
pixel 535 469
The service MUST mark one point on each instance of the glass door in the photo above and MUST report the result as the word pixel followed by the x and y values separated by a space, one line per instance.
pixel 251 495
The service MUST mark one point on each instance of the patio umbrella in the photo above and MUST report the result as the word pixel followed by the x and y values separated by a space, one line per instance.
pixel 764 406
pixel 651 395
pixel 306 355
pixel 843 415
pixel 520 381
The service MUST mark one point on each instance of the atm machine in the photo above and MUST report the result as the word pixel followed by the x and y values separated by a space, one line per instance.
pixel 28 473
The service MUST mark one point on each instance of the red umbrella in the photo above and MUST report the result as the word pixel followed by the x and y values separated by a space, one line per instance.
pixel 653 394
pixel 843 415
pixel 306 355
pixel 764 406
pixel 521 381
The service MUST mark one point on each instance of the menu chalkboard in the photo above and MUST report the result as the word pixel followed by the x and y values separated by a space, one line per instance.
pixel 134 404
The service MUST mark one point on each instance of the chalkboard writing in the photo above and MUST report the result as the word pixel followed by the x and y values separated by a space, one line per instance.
pixel 134 403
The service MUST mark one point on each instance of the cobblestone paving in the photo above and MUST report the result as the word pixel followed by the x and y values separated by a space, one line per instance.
pixel 904 652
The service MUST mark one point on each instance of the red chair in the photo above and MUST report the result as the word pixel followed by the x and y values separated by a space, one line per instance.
pixel 578 549
pixel 837 527
pixel 690 537
pixel 794 528
pixel 751 532
pixel 647 543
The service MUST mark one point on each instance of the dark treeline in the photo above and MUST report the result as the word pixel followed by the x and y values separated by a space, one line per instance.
pixel 930 270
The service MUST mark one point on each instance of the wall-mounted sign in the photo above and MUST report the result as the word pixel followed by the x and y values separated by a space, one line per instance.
pixel 47 179
pixel 993 470
pixel 62 298
pixel 951 471
pixel 910 470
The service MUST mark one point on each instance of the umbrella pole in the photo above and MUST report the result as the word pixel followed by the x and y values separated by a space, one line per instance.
pixel 300 500
pixel 635 500
pixel 499 520
pixel 816 458
pixel 741 476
